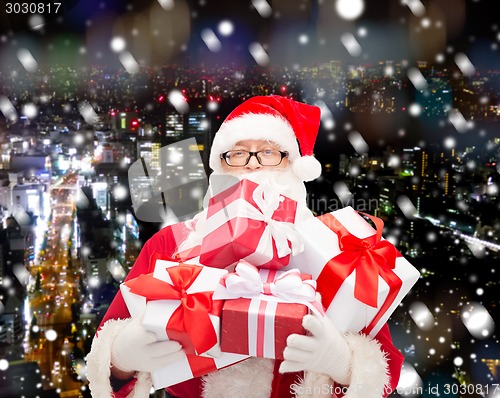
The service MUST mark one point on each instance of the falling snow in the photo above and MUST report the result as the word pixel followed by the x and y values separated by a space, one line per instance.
pixel 167 5
pixel 36 22
pixel 417 79
pixel 406 206
pixel 464 64
pixel 211 40
pixel 4 364
pixel 342 191
pixel 30 111
pixel 27 60
pixel 178 101
pixel 258 53
pixel 349 9
pixel 129 62
pixel 226 28
pixel 8 109
pixel 358 142
pixel 458 121
pixel 351 44
pixel 88 112
pixel 326 115
pixel 118 44
pixel 263 8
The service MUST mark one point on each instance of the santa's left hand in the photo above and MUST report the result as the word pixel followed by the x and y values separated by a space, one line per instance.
pixel 323 351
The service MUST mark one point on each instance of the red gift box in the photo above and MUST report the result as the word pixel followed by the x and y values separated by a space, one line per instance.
pixel 259 328
pixel 248 221
pixel 262 308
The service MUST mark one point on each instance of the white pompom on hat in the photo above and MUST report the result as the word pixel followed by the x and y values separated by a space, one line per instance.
pixel 277 119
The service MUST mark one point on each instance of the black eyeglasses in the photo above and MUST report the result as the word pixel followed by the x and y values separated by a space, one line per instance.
pixel 266 157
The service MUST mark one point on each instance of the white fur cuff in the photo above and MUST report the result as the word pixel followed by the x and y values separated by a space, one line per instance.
pixel 369 368
pixel 313 385
pixel 251 378
pixel 99 363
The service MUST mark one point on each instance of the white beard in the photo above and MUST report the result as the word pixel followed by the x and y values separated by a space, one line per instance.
pixel 283 181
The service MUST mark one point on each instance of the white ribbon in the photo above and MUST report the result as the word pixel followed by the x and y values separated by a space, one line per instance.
pixel 281 232
pixel 248 281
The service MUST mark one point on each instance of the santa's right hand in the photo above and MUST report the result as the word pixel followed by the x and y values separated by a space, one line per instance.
pixel 136 349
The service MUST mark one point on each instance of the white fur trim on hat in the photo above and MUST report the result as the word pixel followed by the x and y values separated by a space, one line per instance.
pixel 253 126
pixel 99 363
pixel 306 168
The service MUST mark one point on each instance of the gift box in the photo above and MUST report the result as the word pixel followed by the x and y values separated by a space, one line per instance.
pixel 248 221
pixel 176 302
pixel 259 328
pixel 262 308
pixel 361 277
pixel 191 366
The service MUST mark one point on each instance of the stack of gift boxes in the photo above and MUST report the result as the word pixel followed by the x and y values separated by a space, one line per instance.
pixel 257 272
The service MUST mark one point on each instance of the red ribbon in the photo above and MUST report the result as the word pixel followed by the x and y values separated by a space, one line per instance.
pixel 188 254
pixel 176 257
pixel 201 365
pixel 371 257
pixel 190 323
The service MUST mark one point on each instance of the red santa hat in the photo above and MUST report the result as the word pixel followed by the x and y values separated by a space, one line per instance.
pixel 290 124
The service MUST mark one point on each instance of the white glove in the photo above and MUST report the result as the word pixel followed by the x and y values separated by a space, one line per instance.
pixel 324 351
pixel 136 349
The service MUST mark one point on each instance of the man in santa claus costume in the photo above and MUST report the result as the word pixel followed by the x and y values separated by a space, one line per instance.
pixel 270 140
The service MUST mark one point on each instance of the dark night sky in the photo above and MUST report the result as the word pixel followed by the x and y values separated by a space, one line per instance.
pixel 479 14
pixel 470 25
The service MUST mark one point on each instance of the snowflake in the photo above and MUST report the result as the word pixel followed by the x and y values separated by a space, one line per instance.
pixel 358 142
pixel 226 28
pixel 349 9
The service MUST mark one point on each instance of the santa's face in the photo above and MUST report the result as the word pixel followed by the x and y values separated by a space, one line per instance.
pixel 279 177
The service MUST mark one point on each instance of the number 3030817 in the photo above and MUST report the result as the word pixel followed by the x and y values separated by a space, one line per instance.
pixel 471 389
pixel 32 8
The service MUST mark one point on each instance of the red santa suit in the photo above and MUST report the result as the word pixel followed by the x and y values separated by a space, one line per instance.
pixel 376 363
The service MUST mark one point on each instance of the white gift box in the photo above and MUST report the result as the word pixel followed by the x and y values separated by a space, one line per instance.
pixel 321 245
pixel 158 312
pixel 191 366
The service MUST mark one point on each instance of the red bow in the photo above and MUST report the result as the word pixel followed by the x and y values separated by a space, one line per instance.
pixel 371 257
pixel 190 323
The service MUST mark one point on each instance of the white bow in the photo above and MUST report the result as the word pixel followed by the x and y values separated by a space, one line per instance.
pixel 250 282
pixel 281 231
